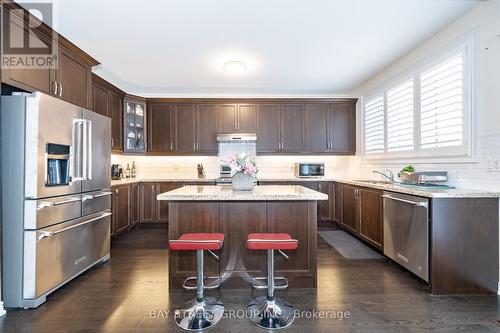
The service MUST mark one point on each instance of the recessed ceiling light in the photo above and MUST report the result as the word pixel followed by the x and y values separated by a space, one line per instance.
pixel 235 67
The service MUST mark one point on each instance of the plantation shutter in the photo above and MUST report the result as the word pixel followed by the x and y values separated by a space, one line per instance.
pixel 442 104
pixel 374 125
pixel 400 117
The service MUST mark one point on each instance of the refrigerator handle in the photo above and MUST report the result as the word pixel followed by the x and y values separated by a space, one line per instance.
pixel 76 151
pixel 84 151
pixel 88 149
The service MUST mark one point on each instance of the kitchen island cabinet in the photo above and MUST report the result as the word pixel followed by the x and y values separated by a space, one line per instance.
pixel 274 209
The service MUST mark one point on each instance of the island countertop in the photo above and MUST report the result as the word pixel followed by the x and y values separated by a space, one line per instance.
pixel 226 193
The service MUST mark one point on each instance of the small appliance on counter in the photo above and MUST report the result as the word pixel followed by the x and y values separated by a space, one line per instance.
pixel 116 172
pixel 424 177
pixel 309 170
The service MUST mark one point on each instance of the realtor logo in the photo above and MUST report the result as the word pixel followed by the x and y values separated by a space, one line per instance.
pixel 24 42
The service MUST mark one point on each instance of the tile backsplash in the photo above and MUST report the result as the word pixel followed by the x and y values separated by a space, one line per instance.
pixel 477 175
pixel 464 175
pixel 158 167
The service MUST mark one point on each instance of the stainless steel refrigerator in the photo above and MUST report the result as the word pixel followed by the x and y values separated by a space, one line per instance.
pixel 56 194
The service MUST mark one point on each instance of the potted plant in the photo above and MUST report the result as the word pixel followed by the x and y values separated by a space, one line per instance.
pixel 244 169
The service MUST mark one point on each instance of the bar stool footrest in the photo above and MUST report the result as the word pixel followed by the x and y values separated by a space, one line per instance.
pixel 186 286
pixel 283 285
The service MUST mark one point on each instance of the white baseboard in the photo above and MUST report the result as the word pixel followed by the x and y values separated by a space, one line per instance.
pixel 3 312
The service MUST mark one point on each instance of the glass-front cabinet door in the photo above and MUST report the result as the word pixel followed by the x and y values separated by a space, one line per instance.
pixel 135 129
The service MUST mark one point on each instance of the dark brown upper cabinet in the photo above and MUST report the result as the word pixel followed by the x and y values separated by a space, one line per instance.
pixel 182 128
pixel 206 128
pixel 342 128
pixel 31 79
pixel 116 114
pixel 330 128
pixel 185 128
pixel 268 128
pixel 74 78
pixel 108 101
pixel 160 127
pixel 134 124
pixel 100 99
pixel 316 128
pixel 68 78
pixel 236 118
pixel 227 117
pixel 292 120
pixel 280 128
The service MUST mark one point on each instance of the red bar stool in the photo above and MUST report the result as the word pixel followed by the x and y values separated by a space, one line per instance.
pixel 202 312
pixel 268 311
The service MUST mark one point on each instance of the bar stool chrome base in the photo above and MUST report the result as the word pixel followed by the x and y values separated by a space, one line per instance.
pixel 198 316
pixel 273 315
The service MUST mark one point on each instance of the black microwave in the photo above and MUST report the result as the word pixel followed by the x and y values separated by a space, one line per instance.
pixel 304 170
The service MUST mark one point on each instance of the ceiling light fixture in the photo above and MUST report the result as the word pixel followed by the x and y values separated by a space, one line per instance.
pixel 235 67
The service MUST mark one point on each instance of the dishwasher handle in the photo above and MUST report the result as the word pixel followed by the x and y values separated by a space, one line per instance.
pixel 415 203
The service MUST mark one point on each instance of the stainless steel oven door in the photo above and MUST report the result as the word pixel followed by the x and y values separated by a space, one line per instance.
pixel 51 126
pixel 56 254
pixel 46 212
pixel 93 202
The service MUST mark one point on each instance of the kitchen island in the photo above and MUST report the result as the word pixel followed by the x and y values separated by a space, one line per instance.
pixel 274 208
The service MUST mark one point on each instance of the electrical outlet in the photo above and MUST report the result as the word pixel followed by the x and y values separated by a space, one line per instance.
pixel 494 166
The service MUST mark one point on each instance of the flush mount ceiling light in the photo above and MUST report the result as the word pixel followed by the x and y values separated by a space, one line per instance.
pixel 235 67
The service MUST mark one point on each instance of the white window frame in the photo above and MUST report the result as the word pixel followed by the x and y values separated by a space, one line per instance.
pixel 465 153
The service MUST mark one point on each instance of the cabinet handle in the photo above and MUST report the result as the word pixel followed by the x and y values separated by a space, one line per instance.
pixel 171 146
pixel 60 89
pixel 194 145
pixel 331 144
pixel 112 142
pixel 54 87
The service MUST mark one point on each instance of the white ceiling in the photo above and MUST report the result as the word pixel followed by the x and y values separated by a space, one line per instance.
pixel 291 47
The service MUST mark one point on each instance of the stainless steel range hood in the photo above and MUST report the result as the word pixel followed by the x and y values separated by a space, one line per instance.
pixel 237 137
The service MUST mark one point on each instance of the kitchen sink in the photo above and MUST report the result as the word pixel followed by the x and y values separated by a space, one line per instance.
pixel 373 182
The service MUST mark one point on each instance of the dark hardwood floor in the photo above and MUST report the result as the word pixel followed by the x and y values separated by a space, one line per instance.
pixel 121 295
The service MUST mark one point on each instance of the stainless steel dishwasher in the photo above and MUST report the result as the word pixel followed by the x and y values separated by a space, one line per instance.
pixel 406 232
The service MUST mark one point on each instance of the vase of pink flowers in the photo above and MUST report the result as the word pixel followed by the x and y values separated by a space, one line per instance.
pixel 244 169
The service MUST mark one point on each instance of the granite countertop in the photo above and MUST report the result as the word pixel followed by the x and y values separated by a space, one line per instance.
pixel 423 192
pixel 172 180
pixel 226 193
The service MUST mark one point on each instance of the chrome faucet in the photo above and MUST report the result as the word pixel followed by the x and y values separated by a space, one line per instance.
pixel 390 176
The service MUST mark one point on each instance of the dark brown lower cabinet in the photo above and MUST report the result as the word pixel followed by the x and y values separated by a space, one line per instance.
pixel 349 208
pixel 147 202
pixel 326 207
pixel 134 204
pixel 362 213
pixel 337 202
pixel 120 209
pixel 370 217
